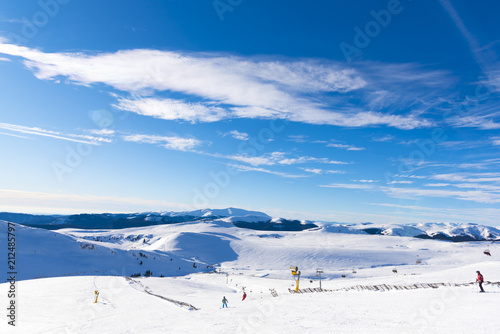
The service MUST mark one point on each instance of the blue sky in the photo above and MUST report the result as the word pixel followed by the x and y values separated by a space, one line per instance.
pixel 382 111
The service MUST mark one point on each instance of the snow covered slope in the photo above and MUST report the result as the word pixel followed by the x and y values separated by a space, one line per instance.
pixel 201 246
pixel 257 221
pixel 117 221
pixel 147 305
pixel 203 260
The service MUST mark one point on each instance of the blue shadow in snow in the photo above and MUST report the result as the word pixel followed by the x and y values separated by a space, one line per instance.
pixel 207 248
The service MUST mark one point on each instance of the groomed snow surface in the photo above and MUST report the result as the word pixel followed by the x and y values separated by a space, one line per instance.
pixel 188 299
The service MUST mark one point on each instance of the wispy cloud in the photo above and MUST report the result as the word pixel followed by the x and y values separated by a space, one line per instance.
pixel 278 158
pixel 467 177
pixel 484 215
pixel 469 37
pixel 462 144
pixel 298 138
pixel 101 132
pixel 92 140
pixel 483 122
pixel 243 168
pixel 349 186
pixel 237 135
pixel 474 187
pixel 170 109
pixel 470 195
pixel 386 138
pixel 345 146
pixel 169 142
pixel 215 87
pixel 60 203
pixel 320 171
pixel 13 135
pixel 400 182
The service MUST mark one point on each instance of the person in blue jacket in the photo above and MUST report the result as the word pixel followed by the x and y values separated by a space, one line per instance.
pixel 224 302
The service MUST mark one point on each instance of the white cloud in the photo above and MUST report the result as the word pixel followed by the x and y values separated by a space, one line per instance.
pixel 298 138
pixel 462 144
pixel 483 122
pixel 170 109
pixel 347 147
pixel 401 182
pixel 242 168
pixel 302 160
pixel 470 195
pixel 437 184
pixel 277 158
pixel 349 186
pixel 4 59
pixel 60 203
pixel 102 132
pixel 238 135
pixel 254 161
pixel 313 170
pixel 233 87
pixel 467 177
pixel 385 138
pixel 484 215
pixel 54 134
pixel 320 171
pixel 410 176
pixel 169 142
pixel 13 135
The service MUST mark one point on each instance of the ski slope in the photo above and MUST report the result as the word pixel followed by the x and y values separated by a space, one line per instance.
pixel 60 270
pixel 65 305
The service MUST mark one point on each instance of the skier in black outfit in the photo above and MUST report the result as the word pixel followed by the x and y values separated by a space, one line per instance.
pixel 480 280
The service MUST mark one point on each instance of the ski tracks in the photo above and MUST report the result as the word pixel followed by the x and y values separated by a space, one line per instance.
pixel 140 287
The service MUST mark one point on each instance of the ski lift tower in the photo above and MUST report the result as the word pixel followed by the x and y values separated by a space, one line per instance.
pixel 296 276
pixel 319 271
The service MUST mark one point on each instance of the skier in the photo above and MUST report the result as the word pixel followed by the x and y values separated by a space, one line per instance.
pixel 224 302
pixel 244 295
pixel 480 280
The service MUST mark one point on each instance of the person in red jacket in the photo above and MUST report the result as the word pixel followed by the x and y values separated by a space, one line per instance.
pixel 244 295
pixel 480 280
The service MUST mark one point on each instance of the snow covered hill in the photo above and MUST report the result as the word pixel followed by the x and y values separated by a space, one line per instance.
pixel 257 221
pixel 192 264
pixel 204 245
pixel 118 221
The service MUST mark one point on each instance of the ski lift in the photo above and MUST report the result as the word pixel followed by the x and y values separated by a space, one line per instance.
pixel 487 251
pixel 353 270
pixel 418 260
pixel 395 270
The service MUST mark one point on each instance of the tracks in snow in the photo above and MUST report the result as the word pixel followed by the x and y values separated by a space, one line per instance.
pixel 388 287
pixel 139 286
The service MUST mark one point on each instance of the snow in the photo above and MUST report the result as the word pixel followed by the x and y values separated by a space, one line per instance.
pixel 229 212
pixel 60 270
